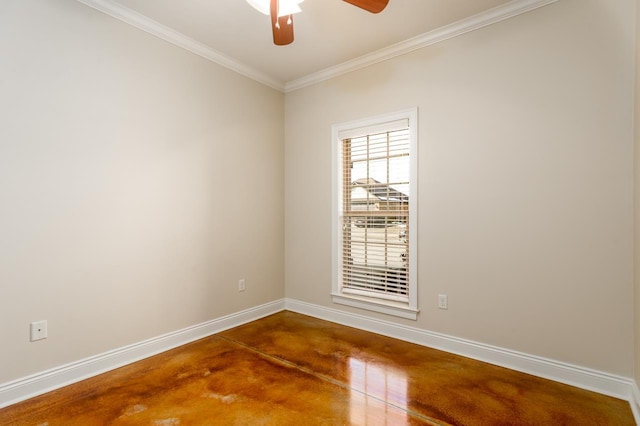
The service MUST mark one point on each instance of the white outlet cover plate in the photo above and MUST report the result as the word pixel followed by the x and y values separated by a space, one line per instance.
pixel 38 330
pixel 442 301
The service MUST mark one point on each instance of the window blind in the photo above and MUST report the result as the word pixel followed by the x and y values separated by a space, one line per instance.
pixel 375 211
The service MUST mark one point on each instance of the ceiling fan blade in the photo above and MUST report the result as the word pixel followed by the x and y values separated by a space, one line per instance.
pixel 282 27
pixel 373 6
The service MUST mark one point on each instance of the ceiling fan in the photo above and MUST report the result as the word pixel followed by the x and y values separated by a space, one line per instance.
pixel 282 11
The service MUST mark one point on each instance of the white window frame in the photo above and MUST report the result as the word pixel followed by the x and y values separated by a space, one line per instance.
pixel 408 309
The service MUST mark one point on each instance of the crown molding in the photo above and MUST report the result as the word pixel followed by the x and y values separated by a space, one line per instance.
pixel 492 16
pixel 489 17
pixel 174 37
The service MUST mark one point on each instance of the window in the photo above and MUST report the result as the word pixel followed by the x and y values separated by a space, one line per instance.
pixel 374 213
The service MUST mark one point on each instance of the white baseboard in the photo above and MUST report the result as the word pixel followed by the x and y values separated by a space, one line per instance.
pixel 597 381
pixel 634 401
pixel 55 378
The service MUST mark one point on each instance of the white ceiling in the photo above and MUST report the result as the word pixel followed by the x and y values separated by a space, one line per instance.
pixel 327 32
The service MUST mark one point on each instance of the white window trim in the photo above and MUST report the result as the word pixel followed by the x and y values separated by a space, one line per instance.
pixel 404 310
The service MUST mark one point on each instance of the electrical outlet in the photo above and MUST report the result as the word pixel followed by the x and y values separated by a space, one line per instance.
pixel 38 330
pixel 241 285
pixel 442 301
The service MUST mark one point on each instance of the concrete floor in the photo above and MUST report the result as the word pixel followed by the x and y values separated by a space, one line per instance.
pixel 291 369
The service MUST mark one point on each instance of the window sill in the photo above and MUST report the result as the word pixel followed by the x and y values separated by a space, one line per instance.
pixel 375 305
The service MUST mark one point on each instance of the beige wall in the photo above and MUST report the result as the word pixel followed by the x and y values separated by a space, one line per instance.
pixel 526 171
pixel 138 183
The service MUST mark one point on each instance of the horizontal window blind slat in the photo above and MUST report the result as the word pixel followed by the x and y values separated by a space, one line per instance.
pixel 359 281
pixel 371 282
pixel 395 298
pixel 389 214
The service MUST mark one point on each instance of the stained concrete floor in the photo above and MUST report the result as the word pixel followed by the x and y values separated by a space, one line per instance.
pixel 291 369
